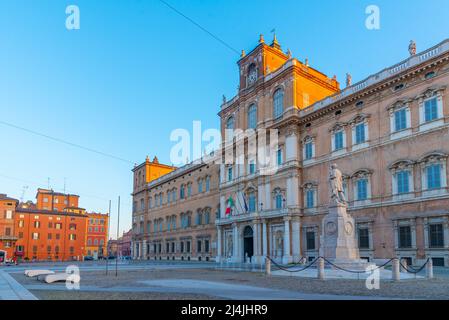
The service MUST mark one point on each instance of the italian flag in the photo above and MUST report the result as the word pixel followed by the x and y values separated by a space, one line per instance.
pixel 230 206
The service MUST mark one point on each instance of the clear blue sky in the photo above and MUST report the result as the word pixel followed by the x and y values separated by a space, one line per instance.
pixel 136 70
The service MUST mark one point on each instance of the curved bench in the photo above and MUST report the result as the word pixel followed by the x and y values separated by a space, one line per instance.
pixel 37 273
pixel 51 278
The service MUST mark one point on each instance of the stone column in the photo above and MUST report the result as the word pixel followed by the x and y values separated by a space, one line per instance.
pixel 144 249
pixel 286 258
pixel 292 191
pixel 296 242
pixel 413 230
pixel 222 173
pixel 222 207
pixel 264 239
pixel 235 249
pixel 261 196
pixel 426 233
pixel 446 234
pixel 291 146
pixel 132 250
pixel 267 203
pixel 256 233
pixel 219 254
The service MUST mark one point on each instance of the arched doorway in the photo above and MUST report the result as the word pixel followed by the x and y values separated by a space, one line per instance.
pixel 248 244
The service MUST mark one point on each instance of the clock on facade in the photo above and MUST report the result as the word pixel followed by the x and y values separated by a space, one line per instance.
pixel 252 74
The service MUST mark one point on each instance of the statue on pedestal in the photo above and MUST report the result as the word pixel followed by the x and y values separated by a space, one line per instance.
pixel 336 185
pixel 338 242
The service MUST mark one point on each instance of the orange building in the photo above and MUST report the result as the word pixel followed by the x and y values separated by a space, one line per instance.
pixel 55 201
pixel 96 235
pixel 49 235
pixel 53 229
pixel 7 237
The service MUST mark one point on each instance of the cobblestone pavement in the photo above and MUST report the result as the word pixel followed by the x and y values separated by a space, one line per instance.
pixel 138 278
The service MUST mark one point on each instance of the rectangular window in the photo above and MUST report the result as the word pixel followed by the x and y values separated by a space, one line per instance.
pixel 206 246
pixel 310 240
pixel 252 167
pixel 338 140
pixel 252 202
pixel 200 186
pixel 72 236
pixel 8 214
pixel 364 238
pixel 436 236
pixel 400 120
pixel 207 184
pixel 182 247
pixel 7 231
pixel 188 246
pixel 430 110
pixel 21 223
pixel 279 157
pixel 310 198
pixel 35 236
pixel 433 176
pixel 360 133
pixel 167 247
pixel 189 190
pixel 309 150
pixel 402 182
pixel 362 189
pixel 199 243
pixel 230 174
pixel 405 237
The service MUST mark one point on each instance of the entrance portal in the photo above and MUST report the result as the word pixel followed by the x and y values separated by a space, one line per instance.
pixel 2 256
pixel 248 244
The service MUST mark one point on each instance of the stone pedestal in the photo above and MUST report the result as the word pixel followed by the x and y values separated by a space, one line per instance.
pixel 338 243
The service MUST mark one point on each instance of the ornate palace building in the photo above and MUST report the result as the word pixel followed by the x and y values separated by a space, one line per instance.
pixel 174 215
pixel 388 134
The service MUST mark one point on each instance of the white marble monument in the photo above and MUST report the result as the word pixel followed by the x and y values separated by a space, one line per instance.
pixel 338 241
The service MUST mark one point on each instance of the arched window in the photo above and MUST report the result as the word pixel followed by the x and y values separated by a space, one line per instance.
pixel 278 103
pixel 252 117
pixel 252 201
pixel 230 123
pixel 278 198
pixel 182 192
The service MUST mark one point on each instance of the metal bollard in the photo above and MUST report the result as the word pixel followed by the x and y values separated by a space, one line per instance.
pixel 396 275
pixel 267 266
pixel 429 269
pixel 321 269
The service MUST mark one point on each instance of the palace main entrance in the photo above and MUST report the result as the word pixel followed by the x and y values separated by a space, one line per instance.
pixel 248 242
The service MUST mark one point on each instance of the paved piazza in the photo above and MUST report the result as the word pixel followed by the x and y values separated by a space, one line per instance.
pixel 168 281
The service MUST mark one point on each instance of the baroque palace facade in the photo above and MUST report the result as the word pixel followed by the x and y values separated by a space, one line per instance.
pixel 388 134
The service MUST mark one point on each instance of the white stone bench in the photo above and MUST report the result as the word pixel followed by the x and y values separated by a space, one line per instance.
pixel 57 277
pixel 37 273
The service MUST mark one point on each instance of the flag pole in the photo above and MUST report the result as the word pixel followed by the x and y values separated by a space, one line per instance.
pixel 107 237
pixel 118 228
